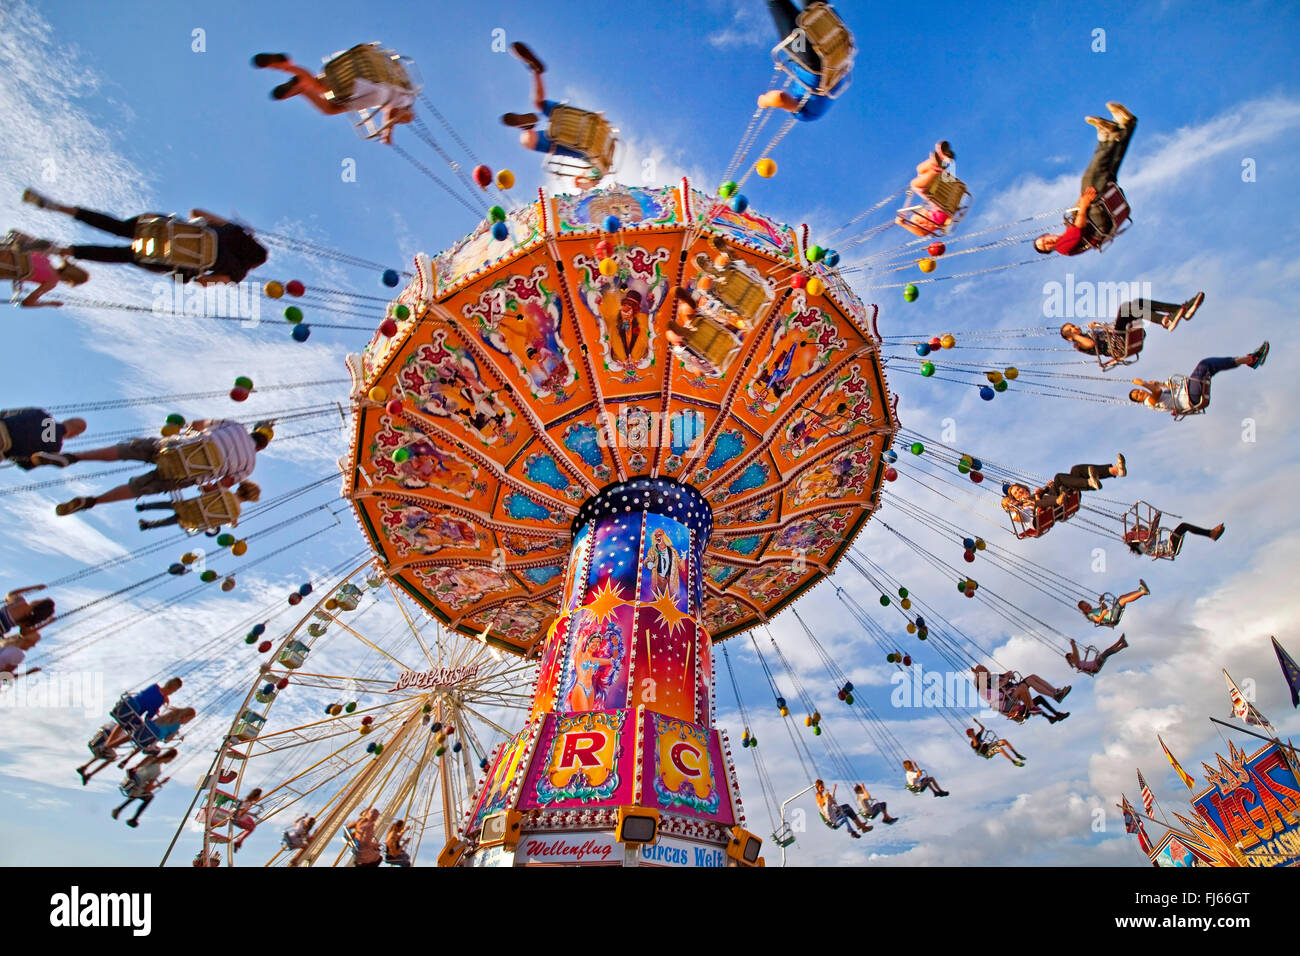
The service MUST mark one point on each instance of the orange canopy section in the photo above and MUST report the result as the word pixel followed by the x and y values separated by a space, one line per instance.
pixel 532 371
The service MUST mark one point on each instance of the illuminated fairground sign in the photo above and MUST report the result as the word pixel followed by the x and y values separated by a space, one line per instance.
pixel 438 677
pixel 1253 805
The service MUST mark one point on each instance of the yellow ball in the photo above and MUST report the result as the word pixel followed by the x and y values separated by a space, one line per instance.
pixel 608 267
pixel 331 604
pixel 1012 373
pixel 816 286
pixel 980 544
pixel 765 168
pixel 169 430
pixel 378 393
pixel 911 628
pixel 273 289
pixel 993 377
pixel 926 264
pixel 239 548
pixel 948 341
pixel 189 557
pixel 505 179
pixel 906 604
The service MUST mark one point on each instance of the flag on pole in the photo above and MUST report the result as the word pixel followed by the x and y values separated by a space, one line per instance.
pixel 1133 825
pixel 1244 710
pixel 1148 798
pixel 1290 670
pixel 1183 775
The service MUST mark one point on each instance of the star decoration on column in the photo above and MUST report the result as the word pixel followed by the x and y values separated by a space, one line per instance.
pixel 669 613
pixel 605 600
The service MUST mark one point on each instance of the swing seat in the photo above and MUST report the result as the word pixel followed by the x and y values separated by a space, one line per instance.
pixel 15 265
pixel 208 512
pixel 167 241
pixel 739 293
pixel 1122 347
pixel 912 788
pixel 946 194
pixel 125 715
pixel 818 26
pixel 366 61
pixel 1178 384
pixel 1043 517
pixel 190 460
pixel 585 132
pixel 783 837
pixel 1113 205
pixel 1142 527
pixel 710 341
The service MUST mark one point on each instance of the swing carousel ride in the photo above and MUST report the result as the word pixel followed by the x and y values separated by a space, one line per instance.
pixel 607 431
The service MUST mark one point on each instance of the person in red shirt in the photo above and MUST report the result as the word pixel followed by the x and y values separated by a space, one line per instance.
pixel 1112 143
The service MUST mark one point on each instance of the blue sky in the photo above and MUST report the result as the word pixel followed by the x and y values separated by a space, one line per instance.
pixel 108 106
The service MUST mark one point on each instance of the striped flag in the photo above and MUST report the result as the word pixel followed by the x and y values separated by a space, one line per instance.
pixel 1148 798
pixel 1133 825
pixel 1183 775
pixel 1243 709
pixel 1290 670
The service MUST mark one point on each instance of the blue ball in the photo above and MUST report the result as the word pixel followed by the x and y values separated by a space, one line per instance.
pixel 968 544
pixel 259 629
pixel 1006 488
pixel 987 393
pixel 300 333
pixel 923 349
pixel 500 231
pixel 739 203
pixel 891 456
pixel 390 277
pixel 611 224
pixel 976 465
pixel 305 589
pixel 832 258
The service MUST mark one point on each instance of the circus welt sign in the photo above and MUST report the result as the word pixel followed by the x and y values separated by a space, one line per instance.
pixel 1255 806
pixel 438 677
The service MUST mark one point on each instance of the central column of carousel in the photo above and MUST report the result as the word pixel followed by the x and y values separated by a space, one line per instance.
pixel 621 726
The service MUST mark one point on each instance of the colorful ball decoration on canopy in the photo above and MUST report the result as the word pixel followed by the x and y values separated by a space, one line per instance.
pixel 532 379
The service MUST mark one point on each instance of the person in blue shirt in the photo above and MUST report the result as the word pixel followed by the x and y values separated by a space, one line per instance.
pixel 535 139
pixel 812 101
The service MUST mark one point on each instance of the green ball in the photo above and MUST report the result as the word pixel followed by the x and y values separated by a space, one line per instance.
pixel 910 292
pixel 917 448
pixel 250 639
pixel 848 698
pixel 208 576
pixel 497 214
pixel 816 253
pixel 174 419
pixel 225 540
pixel 402 312
pixel 401 455
pixel 884 600
pixel 243 382
pixel 902 592
pixel 922 634
pixel 961 586
pixel 817 731
pixel 927 369
pixel 963 468
pixel 753 741
pixel 727 190
pixel 1000 386
pixel 293 314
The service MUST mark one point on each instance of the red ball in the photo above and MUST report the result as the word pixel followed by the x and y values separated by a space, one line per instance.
pixel 239 394
pixel 969 556
pixel 970 592
pixel 367 720
pixel 891 474
pixel 604 249
pixel 394 407
pixel 263 647
pixel 907 660
pixel 388 327
pixel 976 476
pixel 295 598
pixel 282 683
pixel 482 176
pixel 937 249
pixel 936 343
pixel 294 287
pixel 798 280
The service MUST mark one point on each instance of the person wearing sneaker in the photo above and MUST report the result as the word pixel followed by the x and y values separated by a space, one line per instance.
pixel 142 783
pixel 396 102
pixel 988 745
pixel 1149 544
pixel 1089 477
pixel 1108 615
pixel 530 137
pixel 837 814
pixel 1010 695
pixel 868 809
pixel 23 261
pixel 1112 143
pixel 238 253
pixel 32 436
pixel 919 781
pixel 1193 393
pixel 1090 662
pixel 1166 313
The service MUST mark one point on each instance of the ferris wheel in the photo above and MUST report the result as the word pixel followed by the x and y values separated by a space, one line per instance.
pixel 364 707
